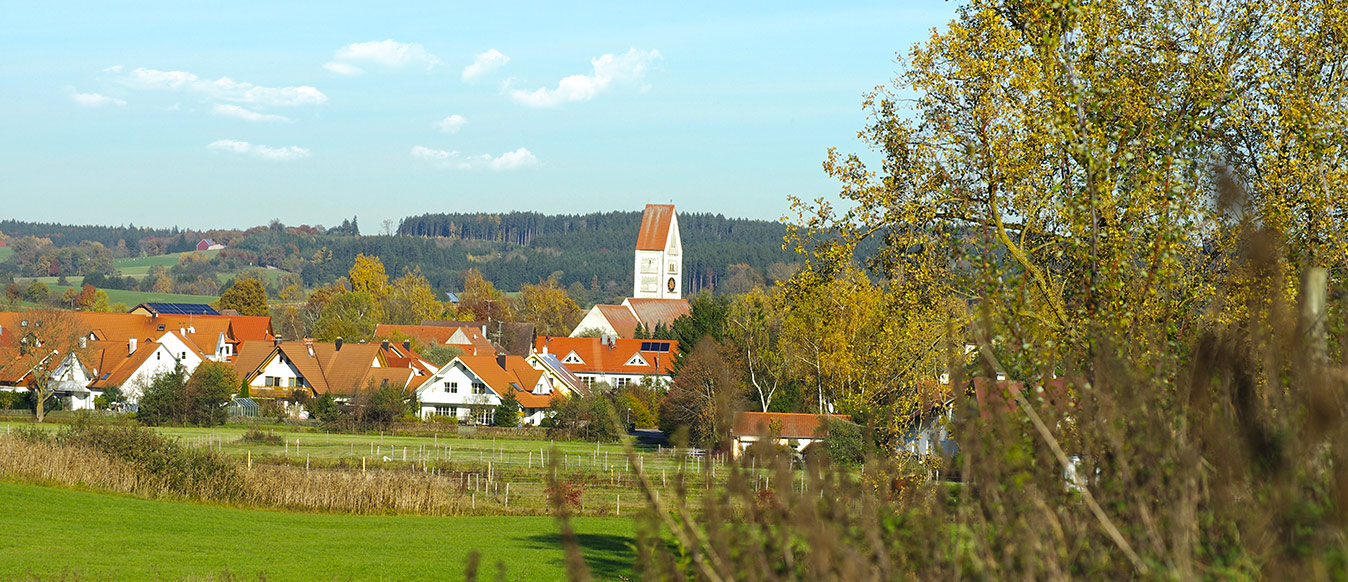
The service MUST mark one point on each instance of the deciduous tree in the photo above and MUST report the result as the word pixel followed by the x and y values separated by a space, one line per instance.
pixel 43 351
pixel 247 296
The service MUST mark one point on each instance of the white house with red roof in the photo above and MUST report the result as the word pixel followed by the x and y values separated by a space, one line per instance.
pixel 470 388
pixel 617 362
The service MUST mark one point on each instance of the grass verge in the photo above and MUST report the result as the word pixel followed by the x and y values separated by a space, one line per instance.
pixel 46 531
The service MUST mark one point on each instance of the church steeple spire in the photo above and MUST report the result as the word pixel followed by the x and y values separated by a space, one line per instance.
pixel 659 255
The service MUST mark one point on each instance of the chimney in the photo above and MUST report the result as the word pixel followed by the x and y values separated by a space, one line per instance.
pixel 84 342
pixel 545 350
pixel 276 341
pixel 407 345
pixel 131 345
pixel 338 342
pixel 500 361
pixel 182 331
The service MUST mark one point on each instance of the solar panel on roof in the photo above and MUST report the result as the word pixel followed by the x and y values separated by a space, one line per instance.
pixel 182 308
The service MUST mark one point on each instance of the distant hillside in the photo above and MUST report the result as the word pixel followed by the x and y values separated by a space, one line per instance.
pixel 599 246
pixel 593 251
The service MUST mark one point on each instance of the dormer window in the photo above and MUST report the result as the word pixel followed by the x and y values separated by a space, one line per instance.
pixel 572 358
pixel 637 360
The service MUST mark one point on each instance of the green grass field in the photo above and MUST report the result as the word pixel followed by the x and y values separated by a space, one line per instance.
pixel 603 468
pixel 5 252
pixel 141 265
pixel 46 531
pixel 133 298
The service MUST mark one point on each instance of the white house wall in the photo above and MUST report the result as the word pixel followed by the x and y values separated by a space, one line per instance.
pixel 437 391
pixel 594 319
pixel 285 371
pixel 160 361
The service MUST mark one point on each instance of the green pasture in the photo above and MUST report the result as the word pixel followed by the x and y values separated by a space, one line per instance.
pixel 141 265
pixel 48 533
pixel 5 252
pixel 479 467
pixel 133 298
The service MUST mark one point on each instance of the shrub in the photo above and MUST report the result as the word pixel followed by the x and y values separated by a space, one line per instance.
pixel 508 412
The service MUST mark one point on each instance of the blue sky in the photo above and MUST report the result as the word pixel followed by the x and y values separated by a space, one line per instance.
pixel 229 114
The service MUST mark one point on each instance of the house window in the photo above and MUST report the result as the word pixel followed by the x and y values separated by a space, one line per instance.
pixel 158 356
pixel 622 382
pixel 290 382
pixel 479 388
pixel 452 387
pixel 572 358
pixel 446 410
pixel 636 360
pixel 588 380
pixel 673 268
pixel 273 381
pixel 484 415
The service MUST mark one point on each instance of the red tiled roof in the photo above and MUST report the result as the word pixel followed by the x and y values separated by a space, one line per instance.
pixel 655 223
pixel 117 364
pixel 440 335
pixel 601 358
pixel 793 425
pixel 621 318
pixel 517 371
pixel 652 312
pixel 1001 395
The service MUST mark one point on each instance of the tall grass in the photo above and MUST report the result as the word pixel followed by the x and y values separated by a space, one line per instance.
pixel 1236 468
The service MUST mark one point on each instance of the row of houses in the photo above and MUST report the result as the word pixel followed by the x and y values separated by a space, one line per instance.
pixel 126 351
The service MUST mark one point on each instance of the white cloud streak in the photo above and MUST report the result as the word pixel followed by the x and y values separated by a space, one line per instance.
pixel 224 88
pixel 608 69
pixel 388 53
pixel 452 124
pixel 95 100
pixel 484 63
pixel 259 151
pixel 343 69
pixel 247 114
pixel 520 158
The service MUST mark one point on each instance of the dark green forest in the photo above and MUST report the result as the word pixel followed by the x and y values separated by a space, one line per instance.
pixel 589 252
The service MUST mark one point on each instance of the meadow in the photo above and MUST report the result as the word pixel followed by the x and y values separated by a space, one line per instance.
pixel 87 535
pixel 448 473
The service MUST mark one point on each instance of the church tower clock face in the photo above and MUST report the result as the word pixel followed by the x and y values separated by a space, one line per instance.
pixel 671 284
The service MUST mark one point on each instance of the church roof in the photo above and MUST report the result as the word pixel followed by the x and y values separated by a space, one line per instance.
pixel 655 223
pixel 653 312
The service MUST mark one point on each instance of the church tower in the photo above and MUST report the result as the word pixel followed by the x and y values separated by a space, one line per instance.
pixel 659 258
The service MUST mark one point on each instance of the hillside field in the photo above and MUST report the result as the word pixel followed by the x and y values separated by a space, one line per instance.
pixel 83 535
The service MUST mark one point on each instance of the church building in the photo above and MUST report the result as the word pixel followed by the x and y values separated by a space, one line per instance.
pixel 657 281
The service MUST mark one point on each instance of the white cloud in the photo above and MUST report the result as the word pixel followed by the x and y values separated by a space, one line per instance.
pixel 113 69
pixel 452 124
pixel 95 100
pixel 515 160
pixel 259 151
pixel 608 68
pixel 224 88
pixel 484 63
pixel 247 114
pixel 343 69
pixel 388 53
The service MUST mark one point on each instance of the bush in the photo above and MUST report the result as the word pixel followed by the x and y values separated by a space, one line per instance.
pixel 172 397
pixel 507 414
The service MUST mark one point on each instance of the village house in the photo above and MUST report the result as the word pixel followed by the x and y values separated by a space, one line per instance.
pixel 616 362
pixel 793 430
pixel 469 388
pixel 126 351
pixel 278 369
pixel 209 245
